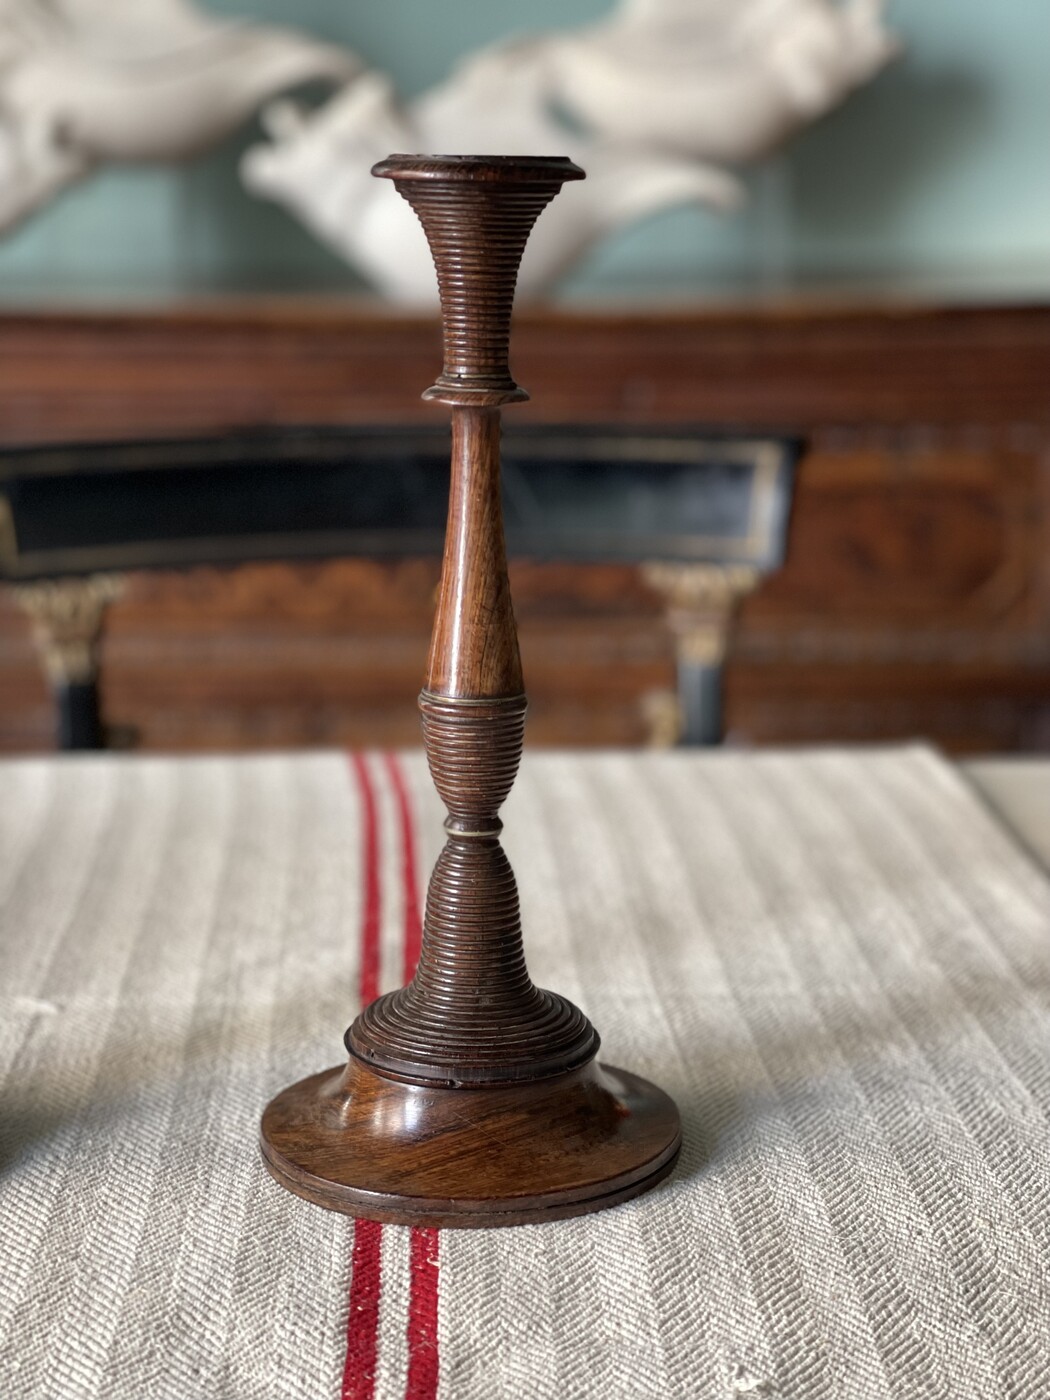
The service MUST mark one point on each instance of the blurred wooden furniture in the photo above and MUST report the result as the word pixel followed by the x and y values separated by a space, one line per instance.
pixel 704 518
pixel 915 597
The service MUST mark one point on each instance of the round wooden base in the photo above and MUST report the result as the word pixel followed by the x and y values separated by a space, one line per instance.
pixel 407 1154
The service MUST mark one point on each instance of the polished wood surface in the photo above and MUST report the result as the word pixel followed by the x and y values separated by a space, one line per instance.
pixel 198 369
pixel 915 598
pixel 474 650
pixel 417 1154
pixel 472 1096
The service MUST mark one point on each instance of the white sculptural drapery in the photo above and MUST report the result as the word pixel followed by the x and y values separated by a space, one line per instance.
pixel 86 82
pixel 657 101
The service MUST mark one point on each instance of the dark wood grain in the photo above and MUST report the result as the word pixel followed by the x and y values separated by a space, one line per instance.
pixel 472 1096
pixel 474 647
pixel 477 213
pixel 198 369
pixel 366 1145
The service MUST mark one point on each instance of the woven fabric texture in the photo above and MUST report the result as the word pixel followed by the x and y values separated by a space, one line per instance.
pixel 838 963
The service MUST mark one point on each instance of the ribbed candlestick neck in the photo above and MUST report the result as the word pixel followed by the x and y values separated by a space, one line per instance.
pixel 477 213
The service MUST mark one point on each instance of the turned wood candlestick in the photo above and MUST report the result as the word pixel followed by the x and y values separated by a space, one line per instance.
pixel 472 1097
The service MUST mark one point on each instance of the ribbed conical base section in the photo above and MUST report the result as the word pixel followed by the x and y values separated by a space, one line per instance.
pixel 472 1015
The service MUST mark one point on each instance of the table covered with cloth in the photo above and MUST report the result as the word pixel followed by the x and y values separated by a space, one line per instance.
pixel 838 962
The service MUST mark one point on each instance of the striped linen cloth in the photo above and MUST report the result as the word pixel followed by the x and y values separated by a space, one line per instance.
pixel 837 962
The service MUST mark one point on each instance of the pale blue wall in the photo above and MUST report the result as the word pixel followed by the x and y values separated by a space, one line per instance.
pixel 939 170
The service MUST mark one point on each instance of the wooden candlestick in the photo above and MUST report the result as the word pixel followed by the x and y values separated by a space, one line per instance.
pixel 472 1097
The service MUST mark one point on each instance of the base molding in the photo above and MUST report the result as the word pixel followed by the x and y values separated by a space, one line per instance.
pixel 406 1154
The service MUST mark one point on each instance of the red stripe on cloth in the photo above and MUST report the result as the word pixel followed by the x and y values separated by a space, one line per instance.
pixel 368 983
pixel 362 1321
pixel 409 873
pixel 422 1380
pixel 362 1326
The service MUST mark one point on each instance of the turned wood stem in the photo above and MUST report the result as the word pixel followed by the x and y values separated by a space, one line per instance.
pixel 474 645
pixel 472 1015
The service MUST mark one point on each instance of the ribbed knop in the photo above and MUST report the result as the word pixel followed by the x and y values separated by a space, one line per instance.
pixel 473 749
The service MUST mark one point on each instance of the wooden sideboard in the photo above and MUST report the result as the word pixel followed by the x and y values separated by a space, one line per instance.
pixel 915 599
